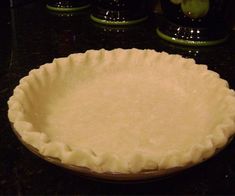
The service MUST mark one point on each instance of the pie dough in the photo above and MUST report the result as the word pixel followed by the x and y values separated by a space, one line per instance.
pixel 124 111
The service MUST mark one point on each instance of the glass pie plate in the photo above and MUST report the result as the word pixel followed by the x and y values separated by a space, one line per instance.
pixel 124 114
pixel 114 177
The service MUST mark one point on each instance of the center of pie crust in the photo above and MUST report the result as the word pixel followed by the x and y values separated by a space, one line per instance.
pixel 124 112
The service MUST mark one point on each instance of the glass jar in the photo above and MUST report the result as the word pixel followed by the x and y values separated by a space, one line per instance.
pixel 119 12
pixel 194 22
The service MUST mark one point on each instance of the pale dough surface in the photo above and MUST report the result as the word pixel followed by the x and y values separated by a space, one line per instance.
pixel 124 112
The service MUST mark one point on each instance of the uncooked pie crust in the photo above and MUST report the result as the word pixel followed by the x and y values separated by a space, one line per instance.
pixel 124 111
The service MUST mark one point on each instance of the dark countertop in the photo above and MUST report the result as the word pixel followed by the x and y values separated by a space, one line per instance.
pixel 37 37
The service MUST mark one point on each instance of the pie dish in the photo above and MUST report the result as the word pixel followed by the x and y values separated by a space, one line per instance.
pixel 124 111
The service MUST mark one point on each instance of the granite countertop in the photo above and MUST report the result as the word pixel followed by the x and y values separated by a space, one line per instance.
pixel 37 37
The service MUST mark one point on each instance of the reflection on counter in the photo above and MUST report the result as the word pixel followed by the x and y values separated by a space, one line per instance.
pixel 67 5
pixel 116 36
pixel 63 34
pixel 191 51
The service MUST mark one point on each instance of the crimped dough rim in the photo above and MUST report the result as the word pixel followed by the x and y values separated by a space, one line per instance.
pixel 138 162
